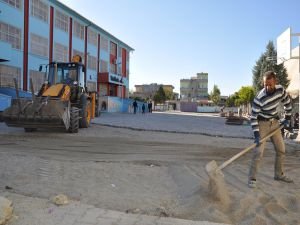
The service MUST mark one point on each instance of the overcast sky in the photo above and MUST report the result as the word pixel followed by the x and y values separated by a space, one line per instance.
pixel 177 39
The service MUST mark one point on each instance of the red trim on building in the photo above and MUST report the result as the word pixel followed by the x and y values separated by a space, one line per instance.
pixel 25 44
pixel 124 92
pixel 102 77
pixel 51 35
pixel 116 90
pixel 98 62
pixel 123 62
pixel 70 38
pixel 85 53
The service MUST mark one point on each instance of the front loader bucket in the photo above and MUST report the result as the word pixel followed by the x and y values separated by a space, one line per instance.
pixel 40 113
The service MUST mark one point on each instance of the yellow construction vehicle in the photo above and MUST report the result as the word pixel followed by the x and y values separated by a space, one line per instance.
pixel 62 101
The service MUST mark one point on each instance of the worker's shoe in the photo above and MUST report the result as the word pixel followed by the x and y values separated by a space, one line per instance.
pixel 252 183
pixel 283 178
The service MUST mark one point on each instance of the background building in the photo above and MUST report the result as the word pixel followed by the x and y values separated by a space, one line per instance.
pixel 194 89
pixel 147 91
pixel 34 32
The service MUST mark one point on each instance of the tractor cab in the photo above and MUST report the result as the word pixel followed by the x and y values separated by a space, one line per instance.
pixel 66 73
pixel 70 73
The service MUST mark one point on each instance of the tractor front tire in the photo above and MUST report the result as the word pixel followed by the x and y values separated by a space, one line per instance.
pixel 86 113
pixel 74 120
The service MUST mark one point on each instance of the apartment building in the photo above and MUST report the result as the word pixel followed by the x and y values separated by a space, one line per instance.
pixel 147 91
pixel 195 88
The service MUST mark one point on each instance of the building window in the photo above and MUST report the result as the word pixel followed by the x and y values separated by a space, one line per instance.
pixel 78 30
pixel 61 21
pixel 7 75
pixel 38 78
pixel 103 66
pixel 113 57
pixel 113 49
pixel 92 62
pixel 39 10
pixel 60 52
pixel 91 86
pixel 104 43
pixel 39 45
pixel 92 37
pixel 11 35
pixel 14 3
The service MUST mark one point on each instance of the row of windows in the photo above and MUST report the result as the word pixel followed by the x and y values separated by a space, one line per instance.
pixel 39 45
pixel 78 30
pixel 13 3
pixel 61 21
pixel 7 74
pixel 40 10
pixel 92 37
pixel 60 52
pixel 11 35
pixel 92 62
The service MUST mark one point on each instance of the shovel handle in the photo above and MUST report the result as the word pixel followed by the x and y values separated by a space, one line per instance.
pixel 226 163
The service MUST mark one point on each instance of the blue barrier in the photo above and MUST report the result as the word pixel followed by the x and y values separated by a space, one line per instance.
pixel 5 102
pixel 12 92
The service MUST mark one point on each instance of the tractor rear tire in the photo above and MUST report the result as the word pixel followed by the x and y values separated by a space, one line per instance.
pixel 74 120
pixel 86 113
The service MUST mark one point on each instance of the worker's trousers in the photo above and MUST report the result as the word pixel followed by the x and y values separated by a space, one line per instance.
pixel 265 127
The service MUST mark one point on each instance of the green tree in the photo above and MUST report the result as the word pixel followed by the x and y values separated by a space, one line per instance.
pixel 246 95
pixel 232 100
pixel 169 94
pixel 215 95
pixel 160 95
pixel 266 62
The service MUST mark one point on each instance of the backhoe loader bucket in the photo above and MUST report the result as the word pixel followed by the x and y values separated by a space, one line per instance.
pixel 39 113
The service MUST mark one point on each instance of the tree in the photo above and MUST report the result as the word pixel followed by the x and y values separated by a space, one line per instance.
pixel 246 95
pixel 215 95
pixel 266 62
pixel 231 100
pixel 169 94
pixel 160 95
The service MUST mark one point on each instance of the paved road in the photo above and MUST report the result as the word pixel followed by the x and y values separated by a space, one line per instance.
pixel 177 122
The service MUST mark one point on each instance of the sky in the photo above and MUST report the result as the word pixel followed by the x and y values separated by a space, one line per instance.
pixel 175 40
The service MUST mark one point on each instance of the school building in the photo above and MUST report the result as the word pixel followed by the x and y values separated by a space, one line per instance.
pixel 35 32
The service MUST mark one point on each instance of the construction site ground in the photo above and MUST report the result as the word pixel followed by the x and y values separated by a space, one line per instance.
pixel 142 169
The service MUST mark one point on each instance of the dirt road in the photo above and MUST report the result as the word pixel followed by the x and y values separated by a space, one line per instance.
pixel 145 172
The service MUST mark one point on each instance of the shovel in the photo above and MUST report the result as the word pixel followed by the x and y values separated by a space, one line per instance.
pixel 216 177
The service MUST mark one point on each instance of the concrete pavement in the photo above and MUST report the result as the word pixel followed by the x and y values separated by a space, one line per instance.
pixel 177 122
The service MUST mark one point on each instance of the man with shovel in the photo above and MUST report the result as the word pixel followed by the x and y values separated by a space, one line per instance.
pixel 264 120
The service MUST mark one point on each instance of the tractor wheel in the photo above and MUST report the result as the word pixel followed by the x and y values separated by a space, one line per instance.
pixel 74 120
pixel 86 113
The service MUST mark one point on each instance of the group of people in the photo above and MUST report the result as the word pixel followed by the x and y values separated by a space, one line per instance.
pixel 135 107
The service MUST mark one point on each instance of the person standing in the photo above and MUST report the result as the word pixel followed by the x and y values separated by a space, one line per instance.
pixel 134 105
pixel 143 108
pixel 150 107
pixel 264 119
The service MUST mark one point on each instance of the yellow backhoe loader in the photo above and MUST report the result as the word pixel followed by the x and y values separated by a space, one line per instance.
pixel 62 101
